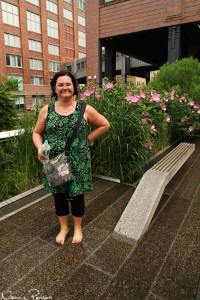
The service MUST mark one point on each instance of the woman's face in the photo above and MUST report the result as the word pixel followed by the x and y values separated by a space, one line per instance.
pixel 64 87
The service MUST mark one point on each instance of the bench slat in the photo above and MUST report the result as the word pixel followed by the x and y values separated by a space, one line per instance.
pixel 169 161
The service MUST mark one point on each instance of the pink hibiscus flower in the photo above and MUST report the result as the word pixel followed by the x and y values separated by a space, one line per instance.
pixel 109 85
pixel 142 94
pixel 156 97
pixel 148 145
pixel 183 120
pixel 191 128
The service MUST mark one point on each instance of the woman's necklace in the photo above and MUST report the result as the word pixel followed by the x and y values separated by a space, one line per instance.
pixel 69 109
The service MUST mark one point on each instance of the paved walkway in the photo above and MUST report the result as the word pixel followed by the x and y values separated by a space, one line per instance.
pixel 165 264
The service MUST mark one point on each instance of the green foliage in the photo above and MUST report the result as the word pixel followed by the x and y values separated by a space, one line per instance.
pixel 27 120
pixel 184 74
pixel 142 123
pixel 120 152
pixel 8 112
pixel 114 153
pixel 20 168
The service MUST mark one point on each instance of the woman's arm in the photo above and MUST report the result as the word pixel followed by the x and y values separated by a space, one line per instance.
pixel 39 130
pixel 97 120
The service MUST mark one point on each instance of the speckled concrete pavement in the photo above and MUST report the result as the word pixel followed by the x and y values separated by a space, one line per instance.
pixel 165 263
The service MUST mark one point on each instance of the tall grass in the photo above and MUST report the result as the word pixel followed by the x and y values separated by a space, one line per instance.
pixel 21 169
pixel 120 152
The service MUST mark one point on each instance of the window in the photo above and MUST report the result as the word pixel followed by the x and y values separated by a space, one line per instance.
pixel 13 61
pixel 35 45
pixel 67 14
pixel 53 49
pixel 33 22
pixel 38 100
pixel 81 5
pixel 12 40
pixel 69 68
pixel 81 20
pixel 35 2
pixel 81 55
pixel 68 1
pixel 81 38
pixel 19 79
pixel 36 80
pixel 81 65
pixel 54 66
pixel 20 102
pixel 35 64
pixel 10 14
pixel 52 27
pixel 52 7
pixel 69 34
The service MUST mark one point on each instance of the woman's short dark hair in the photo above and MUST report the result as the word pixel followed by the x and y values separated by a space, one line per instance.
pixel 63 73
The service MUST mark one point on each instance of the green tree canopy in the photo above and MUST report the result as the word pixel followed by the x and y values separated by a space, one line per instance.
pixel 184 74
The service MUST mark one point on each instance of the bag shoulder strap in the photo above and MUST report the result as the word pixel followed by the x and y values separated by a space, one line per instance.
pixel 70 141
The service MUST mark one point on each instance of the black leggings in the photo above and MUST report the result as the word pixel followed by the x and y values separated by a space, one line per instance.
pixel 62 204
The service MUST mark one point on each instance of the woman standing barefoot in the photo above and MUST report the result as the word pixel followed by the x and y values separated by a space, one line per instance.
pixel 55 123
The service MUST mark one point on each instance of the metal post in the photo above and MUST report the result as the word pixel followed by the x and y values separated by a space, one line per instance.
pixel 174 43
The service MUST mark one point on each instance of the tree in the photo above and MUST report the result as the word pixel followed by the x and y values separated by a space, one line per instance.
pixel 8 111
pixel 183 74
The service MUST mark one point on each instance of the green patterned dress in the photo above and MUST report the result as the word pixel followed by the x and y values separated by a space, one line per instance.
pixel 58 129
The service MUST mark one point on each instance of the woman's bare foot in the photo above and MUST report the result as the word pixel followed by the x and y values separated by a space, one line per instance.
pixel 60 239
pixel 78 235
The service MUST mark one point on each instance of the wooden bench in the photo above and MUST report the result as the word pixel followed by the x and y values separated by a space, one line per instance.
pixel 139 212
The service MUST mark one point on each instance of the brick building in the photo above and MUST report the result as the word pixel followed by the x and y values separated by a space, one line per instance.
pixel 37 37
pixel 152 31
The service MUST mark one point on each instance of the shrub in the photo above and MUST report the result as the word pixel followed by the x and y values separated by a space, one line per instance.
pixel 183 74
pixel 113 153
pixel 141 120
